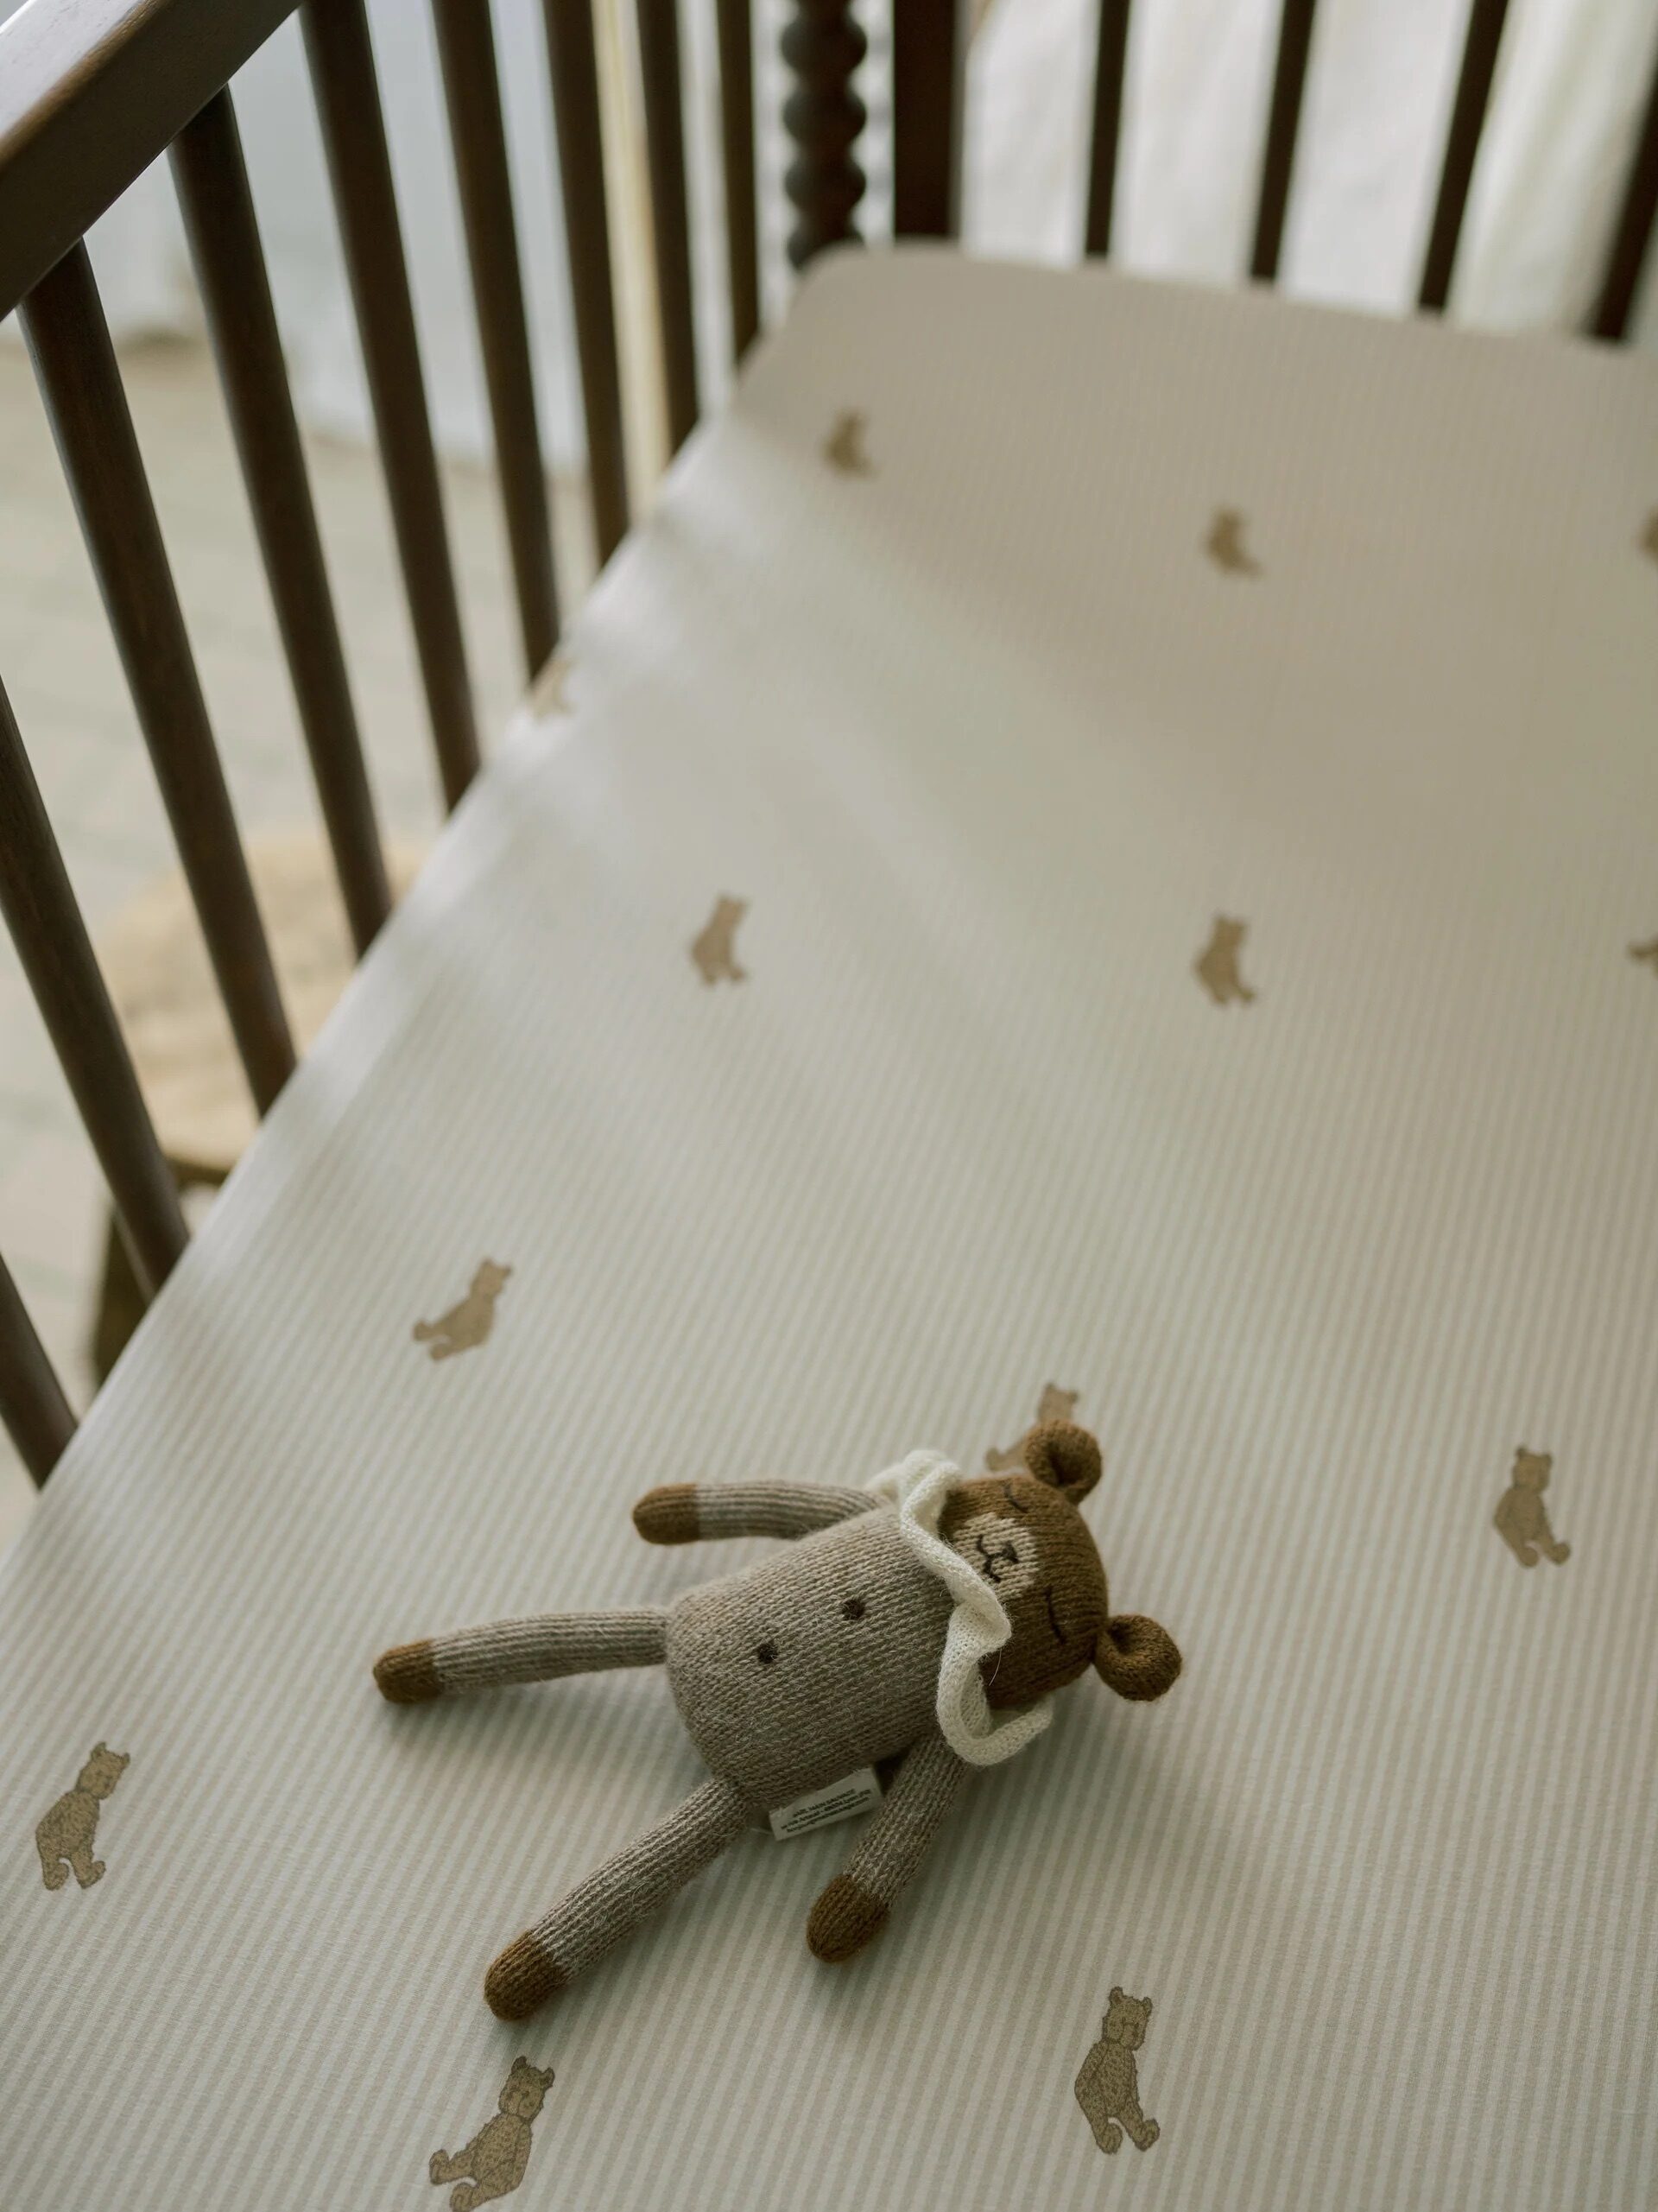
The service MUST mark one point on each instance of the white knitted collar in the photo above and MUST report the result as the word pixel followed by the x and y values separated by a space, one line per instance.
pixel 979 1625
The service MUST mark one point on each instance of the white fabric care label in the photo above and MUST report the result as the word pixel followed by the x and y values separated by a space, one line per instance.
pixel 853 1793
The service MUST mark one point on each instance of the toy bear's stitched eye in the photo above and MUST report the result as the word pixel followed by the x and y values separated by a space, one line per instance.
pixel 766 1653
pixel 854 1609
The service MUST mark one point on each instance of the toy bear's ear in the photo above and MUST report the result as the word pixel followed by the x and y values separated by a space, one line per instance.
pixel 1063 1456
pixel 1136 1657
pixel 1145 2008
pixel 1116 1996
pixel 100 1751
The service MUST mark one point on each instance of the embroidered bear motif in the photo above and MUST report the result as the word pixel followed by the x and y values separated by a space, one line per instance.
pixel 1108 2087
pixel 1521 1517
pixel 64 1838
pixel 714 949
pixel 494 2162
pixel 844 447
pixel 465 1325
pixel 1216 965
pixel 1053 1405
pixel 1648 952
pixel 1225 544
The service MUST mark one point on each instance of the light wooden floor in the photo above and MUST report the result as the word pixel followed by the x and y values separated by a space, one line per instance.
pixel 67 689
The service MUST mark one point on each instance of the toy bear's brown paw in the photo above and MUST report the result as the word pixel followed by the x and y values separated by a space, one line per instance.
pixel 843 1919
pixel 521 1979
pixel 668 1515
pixel 408 1674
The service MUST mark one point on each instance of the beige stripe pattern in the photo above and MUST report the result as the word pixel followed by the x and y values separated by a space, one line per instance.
pixel 985 741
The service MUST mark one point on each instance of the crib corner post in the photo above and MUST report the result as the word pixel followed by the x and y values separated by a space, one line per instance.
pixel 823 45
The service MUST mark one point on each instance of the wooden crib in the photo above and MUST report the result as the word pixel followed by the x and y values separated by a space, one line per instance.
pixel 92 91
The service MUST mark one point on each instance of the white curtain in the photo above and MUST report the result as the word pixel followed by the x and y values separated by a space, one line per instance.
pixel 1570 84
pixel 1572 80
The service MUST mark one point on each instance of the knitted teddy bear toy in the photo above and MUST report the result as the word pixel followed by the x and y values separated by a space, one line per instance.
pixel 930 1616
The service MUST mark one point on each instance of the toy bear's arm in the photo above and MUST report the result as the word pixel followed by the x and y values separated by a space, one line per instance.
pixel 538 1649
pixel 685 1512
pixel 853 1909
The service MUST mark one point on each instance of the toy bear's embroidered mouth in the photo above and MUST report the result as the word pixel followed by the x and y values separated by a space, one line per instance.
pixel 996 1562
pixel 1002 1551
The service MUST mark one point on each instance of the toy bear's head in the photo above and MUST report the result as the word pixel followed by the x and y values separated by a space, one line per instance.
pixel 103 1771
pixel 1022 1532
pixel 1532 1469
pixel 1125 2021
pixel 490 1279
pixel 525 2089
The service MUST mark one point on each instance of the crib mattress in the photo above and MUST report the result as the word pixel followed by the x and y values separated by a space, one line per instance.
pixel 1099 845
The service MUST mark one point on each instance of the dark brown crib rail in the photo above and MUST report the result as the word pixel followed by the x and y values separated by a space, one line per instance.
pixel 92 92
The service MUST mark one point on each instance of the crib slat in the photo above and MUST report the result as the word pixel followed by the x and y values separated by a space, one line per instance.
pixel 928 53
pixel 1462 145
pixel 659 69
pixel 58 962
pixel 1632 238
pixel 1111 62
pixel 32 1404
pixel 359 168
pixel 823 45
pixel 736 32
pixel 74 362
pixel 1283 125
pixel 471 88
pixel 573 68
pixel 218 215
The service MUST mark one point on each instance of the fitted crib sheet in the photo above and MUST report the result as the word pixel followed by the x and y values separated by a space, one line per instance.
pixel 1100 847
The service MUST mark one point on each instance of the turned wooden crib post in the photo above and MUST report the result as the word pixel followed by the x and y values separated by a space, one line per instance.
pixel 823 46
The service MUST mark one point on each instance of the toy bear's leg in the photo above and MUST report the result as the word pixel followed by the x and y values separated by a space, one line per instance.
pixel 853 1909
pixel 1094 2097
pixel 614 1899
pixel 535 1650
pixel 88 1869
pixel 1143 2132
pixel 53 1868
pixel 444 2168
